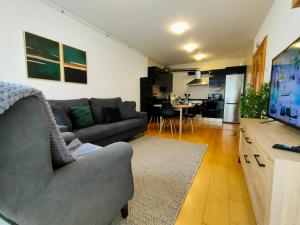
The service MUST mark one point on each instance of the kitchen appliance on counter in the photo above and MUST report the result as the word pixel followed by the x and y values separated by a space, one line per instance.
pixel 215 96
pixel 233 91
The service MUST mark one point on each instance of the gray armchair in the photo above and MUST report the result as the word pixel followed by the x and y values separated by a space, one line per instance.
pixel 91 190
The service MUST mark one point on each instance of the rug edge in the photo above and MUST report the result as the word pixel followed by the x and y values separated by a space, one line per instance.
pixel 189 188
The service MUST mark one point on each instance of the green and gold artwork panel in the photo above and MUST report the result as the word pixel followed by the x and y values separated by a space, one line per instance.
pixel 42 57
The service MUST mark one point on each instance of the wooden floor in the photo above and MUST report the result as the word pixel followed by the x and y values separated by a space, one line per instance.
pixel 218 195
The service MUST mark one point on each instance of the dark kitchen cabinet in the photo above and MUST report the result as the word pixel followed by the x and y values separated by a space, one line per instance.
pixel 213 109
pixel 217 78
pixel 161 78
pixel 236 70
pixel 145 93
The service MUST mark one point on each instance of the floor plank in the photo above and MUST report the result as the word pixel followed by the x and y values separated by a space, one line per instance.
pixel 218 195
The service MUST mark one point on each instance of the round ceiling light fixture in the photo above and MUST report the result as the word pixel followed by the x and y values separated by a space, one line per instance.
pixel 179 27
pixel 199 57
pixel 190 47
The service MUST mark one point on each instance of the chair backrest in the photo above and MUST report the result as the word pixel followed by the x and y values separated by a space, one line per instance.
pixel 194 110
pixel 25 157
pixel 167 109
pixel 154 111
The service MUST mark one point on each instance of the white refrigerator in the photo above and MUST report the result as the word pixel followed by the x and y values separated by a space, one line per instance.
pixel 233 90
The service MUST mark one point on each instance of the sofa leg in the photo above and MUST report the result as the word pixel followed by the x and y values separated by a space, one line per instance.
pixel 124 211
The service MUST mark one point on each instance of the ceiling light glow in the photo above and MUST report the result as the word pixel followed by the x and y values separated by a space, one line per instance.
pixel 179 28
pixel 199 57
pixel 190 47
pixel 297 45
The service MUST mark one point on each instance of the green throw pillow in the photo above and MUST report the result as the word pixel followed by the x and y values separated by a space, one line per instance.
pixel 81 116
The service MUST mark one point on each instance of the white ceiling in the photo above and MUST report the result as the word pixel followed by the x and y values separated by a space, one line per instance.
pixel 222 28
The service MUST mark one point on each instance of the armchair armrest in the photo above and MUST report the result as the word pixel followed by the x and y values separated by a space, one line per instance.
pixel 114 159
pixel 92 189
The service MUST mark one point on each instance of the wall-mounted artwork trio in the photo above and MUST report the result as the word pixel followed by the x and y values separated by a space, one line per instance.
pixel 47 59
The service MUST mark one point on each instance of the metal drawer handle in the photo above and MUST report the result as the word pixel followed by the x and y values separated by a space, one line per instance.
pixel 258 162
pixel 248 140
pixel 246 158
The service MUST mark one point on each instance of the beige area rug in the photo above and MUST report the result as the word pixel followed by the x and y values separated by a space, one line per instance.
pixel 163 170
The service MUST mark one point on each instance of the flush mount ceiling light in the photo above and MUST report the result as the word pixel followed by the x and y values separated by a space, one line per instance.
pixel 199 57
pixel 190 47
pixel 179 27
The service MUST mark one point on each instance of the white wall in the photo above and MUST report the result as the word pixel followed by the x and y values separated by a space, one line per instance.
pixel 201 92
pixel 282 26
pixel 113 69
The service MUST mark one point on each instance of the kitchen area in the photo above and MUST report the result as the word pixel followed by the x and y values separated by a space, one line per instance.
pixel 213 93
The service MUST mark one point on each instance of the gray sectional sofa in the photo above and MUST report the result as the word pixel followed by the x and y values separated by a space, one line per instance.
pixel 101 133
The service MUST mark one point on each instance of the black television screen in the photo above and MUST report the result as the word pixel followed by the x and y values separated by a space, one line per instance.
pixel 284 102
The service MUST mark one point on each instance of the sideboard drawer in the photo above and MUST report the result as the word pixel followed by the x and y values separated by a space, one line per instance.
pixel 263 175
pixel 258 170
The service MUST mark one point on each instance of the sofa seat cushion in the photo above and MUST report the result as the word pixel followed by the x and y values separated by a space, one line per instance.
pixel 126 125
pixel 98 104
pixel 105 130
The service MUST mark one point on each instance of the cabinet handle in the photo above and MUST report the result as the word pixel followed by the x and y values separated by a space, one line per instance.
pixel 258 162
pixel 242 130
pixel 248 140
pixel 246 158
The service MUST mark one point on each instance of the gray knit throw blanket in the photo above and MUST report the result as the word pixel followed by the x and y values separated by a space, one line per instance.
pixel 11 93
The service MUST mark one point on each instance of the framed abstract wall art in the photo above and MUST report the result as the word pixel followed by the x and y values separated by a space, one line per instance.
pixel 42 57
pixel 75 69
pixel 51 60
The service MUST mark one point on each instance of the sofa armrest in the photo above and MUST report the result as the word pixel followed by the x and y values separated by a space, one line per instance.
pixel 144 116
pixel 90 190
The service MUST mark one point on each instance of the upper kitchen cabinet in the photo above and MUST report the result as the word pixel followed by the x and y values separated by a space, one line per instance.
pixel 217 78
pixel 161 78
pixel 236 70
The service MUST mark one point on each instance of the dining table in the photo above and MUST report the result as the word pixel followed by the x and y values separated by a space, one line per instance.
pixel 180 108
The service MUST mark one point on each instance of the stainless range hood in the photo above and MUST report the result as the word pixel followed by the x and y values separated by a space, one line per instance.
pixel 199 80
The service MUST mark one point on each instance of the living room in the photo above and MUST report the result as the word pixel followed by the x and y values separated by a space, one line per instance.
pixel 122 112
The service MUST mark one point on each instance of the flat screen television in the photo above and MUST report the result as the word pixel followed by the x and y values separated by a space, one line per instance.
pixel 284 100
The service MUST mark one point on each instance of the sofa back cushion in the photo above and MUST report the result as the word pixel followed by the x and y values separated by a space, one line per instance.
pixel 98 104
pixel 111 114
pixel 81 116
pixel 67 104
pixel 128 110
